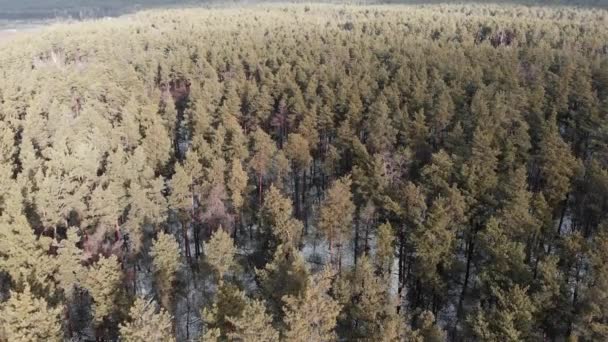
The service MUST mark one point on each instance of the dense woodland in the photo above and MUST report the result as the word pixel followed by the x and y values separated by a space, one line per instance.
pixel 87 9
pixel 307 173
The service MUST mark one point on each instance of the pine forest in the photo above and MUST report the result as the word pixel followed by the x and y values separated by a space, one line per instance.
pixel 308 173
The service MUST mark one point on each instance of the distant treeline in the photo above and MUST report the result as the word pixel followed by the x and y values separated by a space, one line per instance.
pixel 78 9
pixel 86 9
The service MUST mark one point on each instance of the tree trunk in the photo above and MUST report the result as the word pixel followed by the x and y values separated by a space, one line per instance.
pixel 296 193
pixel 339 259
pixel 561 218
pixel 186 242
pixel 401 275
pixel 467 275
pixel 356 242
pixel 237 218
pixel 260 188
pixel 304 207
pixel 366 242
pixel 331 252
pixel 195 226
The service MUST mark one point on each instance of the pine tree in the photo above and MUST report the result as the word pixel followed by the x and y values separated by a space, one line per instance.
pixel 70 271
pixel 368 307
pixel 508 319
pixel 166 260
pixel 311 316
pixel 182 200
pixel 25 318
pixel 336 214
pixel 254 324
pixel 147 323
pixel 220 251
pixel 516 208
pixel 441 115
pixel 103 281
pixel 385 248
pixel 505 265
pixel 285 275
pixel 434 242
pixel 428 329
pixel 480 170
pixel 229 302
pixel 593 325
pixel 106 206
pixel 381 134
pixel 395 327
pixel 237 185
pixel 298 151
pixel 552 299
pixel 437 175
pixel 419 134
pixel 277 214
pixel 23 255
pixel 263 148
pixel 557 164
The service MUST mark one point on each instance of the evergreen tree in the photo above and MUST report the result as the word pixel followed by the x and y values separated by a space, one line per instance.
pixel 70 271
pixel 475 137
pixel 508 319
pixel 166 261
pixel 229 302
pixel 254 324
pixel 381 134
pixel 593 325
pixel 285 275
pixel 27 318
pixel 147 323
pixel 385 248
pixel 220 251
pixel 103 281
pixel 368 307
pixel 336 214
pixel 23 255
pixel 263 148
pixel 237 185
pixel 277 215
pixel 311 316
pixel 557 164
pixel 428 329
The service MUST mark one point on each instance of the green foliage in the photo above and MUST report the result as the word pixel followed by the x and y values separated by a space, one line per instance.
pixel 70 272
pixel 146 323
pixel 220 251
pixel 166 260
pixel 510 319
pixel 237 184
pixel 22 255
pixel 368 309
pixel 311 316
pixel 254 324
pixel 103 281
pixel 385 248
pixel 229 302
pixel 336 212
pixel 25 318
pixel 298 151
pixel 278 215
pixel 285 275
pixel 592 325
pixel 428 330
pixel 456 152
